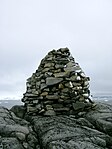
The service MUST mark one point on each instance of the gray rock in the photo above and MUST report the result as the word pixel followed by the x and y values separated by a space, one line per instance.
pixel 64 49
pixel 53 81
pixel 18 110
pixel 101 118
pixel 49 65
pixel 50 113
pixel 52 97
pixel 68 132
pixel 61 74
pixel 43 85
pixel 14 131
pixel 11 143
pixel 79 106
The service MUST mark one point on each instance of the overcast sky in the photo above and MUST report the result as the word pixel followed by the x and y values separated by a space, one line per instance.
pixel 29 29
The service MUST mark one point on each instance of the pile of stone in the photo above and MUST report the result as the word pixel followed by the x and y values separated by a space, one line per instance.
pixel 59 86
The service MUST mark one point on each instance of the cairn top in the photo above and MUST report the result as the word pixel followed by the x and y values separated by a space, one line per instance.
pixel 59 86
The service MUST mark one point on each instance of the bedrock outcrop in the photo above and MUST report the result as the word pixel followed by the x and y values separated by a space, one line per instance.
pixel 87 130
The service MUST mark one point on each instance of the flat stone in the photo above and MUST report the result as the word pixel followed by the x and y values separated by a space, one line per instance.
pixel 65 90
pixel 64 49
pixel 53 81
pixel 44 94
pixel 76 84
pixel 69 69
pixel 57 70
pixel 43 85
pixel 61 74
pixel 73 78
pixel 57 66
pixel 48 65
pixel 49 107
pixel 46 69
pixel 78 106
pixel 20 136
pixel 61 109
pixel 35 101
pixel 48 102
pixel 61 86
pixel 30 95
pixel 52 97
pixel 31 109
pixel 86 95
pixel 50 113
pixel 61 60
pixel 41 111
pixel 57 105
pixel 70 64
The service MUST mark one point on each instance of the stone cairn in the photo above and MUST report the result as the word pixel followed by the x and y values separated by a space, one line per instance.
pixel 59 86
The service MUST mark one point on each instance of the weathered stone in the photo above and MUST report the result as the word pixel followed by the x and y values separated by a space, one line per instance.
pixel 79 106
pixel 49 107
pixel 61 74
pixel 41 111
pixel 52 97
pixel 61 109
pixel 45 70
pixel 43 85
pixel 65 90
pixel 31 109
pixel 39 107
pixel 44 94
pixel 64 49
pixel 61 86
pixel 19 110
pixel 85 95
pixel 48 102
pixel 53 81
pixel 57 105
pixel 30 95
pixel 48 65
pixel 35 101
pixel 73 78
pixel 69 69
pixel 57 66
pixel 50 113
pixel 20 136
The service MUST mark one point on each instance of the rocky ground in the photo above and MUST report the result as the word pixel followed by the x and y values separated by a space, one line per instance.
pixel 91 130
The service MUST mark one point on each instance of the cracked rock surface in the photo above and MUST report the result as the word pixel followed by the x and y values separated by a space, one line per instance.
pixel 15 133
pixel 91 130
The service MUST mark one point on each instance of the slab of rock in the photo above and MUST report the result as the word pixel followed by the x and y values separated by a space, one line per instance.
pixel 101 118
pixel 90 130
pixel 75 133
pixel 53 81
pixel 14 131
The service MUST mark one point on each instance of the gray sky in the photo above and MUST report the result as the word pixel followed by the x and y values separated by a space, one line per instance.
pixel 29 29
